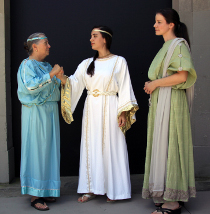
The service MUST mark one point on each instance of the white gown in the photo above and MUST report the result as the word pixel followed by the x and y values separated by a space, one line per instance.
pixel 104 167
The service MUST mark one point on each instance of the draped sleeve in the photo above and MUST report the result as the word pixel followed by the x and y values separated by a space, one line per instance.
pixel 35 86
pixel 72 91
pixel 33 82
pixel 127 101
pixel 181 61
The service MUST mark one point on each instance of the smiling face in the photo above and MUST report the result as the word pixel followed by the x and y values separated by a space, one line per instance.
pixel 161 26
pixel 97 41
pixel 42 48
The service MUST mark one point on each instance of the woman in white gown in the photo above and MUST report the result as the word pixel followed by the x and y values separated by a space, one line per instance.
pixel 108 113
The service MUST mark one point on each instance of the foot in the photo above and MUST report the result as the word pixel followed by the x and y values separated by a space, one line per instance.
pixel 39 205
pixel 158 204
pixel 168 205
pixel 109 200
pixel 86 197
pixel 49 199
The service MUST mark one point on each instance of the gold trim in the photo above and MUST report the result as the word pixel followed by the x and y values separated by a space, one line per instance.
pixel 86 134
pixel 66 102
pixel 104 59
pixel 34 104
pixel 105 56
pixel 37 189
pixel 112 75
pixel 47 81
pixel 87 147
pixel 104 115
pixel 169 194
pixel 130 111
pixel 85 72
pixel 95 93
pixel 122 106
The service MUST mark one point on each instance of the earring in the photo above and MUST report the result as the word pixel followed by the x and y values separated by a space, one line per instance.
pixel 36 50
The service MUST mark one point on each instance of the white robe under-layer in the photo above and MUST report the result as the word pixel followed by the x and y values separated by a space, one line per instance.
pixel 104 166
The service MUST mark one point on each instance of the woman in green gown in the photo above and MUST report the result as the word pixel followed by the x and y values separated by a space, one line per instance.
pixel 169 166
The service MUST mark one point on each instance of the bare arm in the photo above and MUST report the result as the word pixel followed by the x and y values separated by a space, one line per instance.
pixel 175 79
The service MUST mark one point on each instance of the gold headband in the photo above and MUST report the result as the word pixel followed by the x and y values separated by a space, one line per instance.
pixel 103 31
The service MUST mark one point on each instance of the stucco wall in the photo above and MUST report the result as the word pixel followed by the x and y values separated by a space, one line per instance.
pixel 6 144
pixel 196 14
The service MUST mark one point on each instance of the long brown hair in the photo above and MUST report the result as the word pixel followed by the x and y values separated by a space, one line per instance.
pixel 171 16
pixel 108 38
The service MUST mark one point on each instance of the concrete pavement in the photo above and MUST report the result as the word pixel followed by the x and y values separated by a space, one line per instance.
pixel 11 201
pixel 67 204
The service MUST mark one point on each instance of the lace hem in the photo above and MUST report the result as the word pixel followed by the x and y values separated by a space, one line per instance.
pixel 130 112
pixel 169 194
pixel 66 102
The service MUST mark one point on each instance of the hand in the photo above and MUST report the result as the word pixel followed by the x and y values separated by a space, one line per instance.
pixel 149 87
pixel 55 70
pixel 60 74
pixel 122 119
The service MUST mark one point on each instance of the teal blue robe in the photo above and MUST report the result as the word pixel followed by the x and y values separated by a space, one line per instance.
pixel 40 133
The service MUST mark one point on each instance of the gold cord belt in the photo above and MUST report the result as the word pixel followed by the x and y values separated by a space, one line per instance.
pixel 96 93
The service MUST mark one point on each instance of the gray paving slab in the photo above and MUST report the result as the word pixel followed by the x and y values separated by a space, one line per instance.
pixel 12 202
pixel 67 204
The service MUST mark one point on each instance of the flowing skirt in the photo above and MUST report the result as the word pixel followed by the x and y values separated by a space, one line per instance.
pixel 180 179
pixel 104 166
pixel 40 151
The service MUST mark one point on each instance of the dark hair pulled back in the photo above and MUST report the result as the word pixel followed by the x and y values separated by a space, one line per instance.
pixel 108 38
pixel 171 16
pixel 28 45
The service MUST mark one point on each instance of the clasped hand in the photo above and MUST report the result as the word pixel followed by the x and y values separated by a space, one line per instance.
pixel 60 74
pixel 56 69
pixel 149 87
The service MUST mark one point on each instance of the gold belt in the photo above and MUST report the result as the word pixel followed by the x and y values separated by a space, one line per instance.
pixel 96 93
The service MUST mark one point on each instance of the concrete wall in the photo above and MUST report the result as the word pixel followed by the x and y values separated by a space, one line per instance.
pixel 6 145
pixel 196 14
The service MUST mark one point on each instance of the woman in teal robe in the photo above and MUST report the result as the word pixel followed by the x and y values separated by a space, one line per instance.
pixel 38 92
pixel 178 180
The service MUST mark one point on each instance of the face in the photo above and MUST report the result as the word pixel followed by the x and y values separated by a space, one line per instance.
pixel 161 26
pixel 42 48
pixel 97 41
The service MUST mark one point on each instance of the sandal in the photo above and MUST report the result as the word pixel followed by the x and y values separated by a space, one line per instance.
pixel 49 199
pixel 158 204
pixel 39 201
pixel 169 211
pixel 89 197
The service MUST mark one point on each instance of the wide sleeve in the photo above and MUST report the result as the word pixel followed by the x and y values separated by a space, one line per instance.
pixel 181 61
pixel 33 82
pixel 127 101
pixel 71 92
